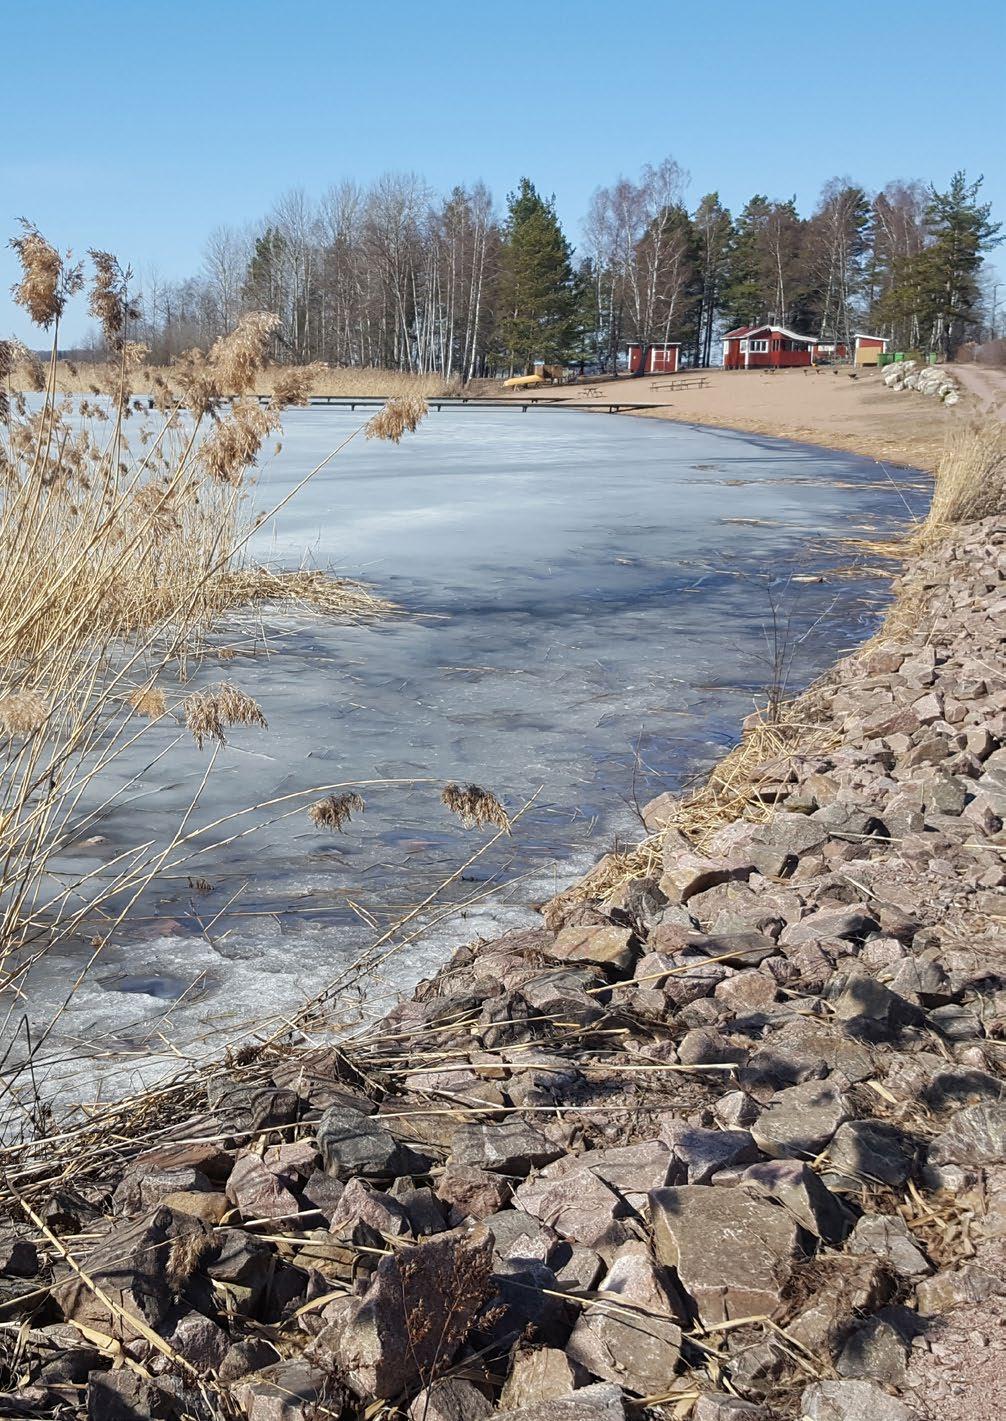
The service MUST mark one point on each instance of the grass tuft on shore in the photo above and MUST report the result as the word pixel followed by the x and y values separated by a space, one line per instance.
pixel 970 477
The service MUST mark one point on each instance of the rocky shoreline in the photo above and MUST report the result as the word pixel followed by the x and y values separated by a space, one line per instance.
pixel 724 1138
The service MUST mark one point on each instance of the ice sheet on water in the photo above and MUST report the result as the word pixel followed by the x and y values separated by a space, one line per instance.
pixel 583 615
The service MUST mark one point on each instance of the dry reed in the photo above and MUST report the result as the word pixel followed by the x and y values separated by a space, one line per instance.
pixel 475 807
pixel 209 714
pixel 399 416
pixel 335 810
pixel 970 477
pixel 118 548
pixel 272 381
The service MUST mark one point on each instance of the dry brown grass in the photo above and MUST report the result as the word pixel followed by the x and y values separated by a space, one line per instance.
pixel 970 477
pixel 285 381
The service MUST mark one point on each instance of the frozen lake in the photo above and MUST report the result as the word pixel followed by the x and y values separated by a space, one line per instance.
pixel 586 603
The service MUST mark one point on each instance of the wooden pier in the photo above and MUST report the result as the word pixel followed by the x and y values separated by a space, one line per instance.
pixel 448 402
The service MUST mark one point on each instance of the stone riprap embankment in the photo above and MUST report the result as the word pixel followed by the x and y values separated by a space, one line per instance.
pixel 729 1142
pixel 926 379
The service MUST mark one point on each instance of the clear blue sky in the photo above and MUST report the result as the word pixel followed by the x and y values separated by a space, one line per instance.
pixel 140 126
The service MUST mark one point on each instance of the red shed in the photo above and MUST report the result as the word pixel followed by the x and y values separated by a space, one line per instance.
pixel 766 347
pixel 656 358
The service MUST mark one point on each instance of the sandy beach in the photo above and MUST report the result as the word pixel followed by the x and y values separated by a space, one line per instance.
pixel 821 406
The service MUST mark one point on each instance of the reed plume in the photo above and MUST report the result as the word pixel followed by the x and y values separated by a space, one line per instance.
pixel 398 416
pixel 109 300
pixel 22 712
pixel 47 280
pixel 210 713
pixel 475 807
pixel 148 701
pixel 335 810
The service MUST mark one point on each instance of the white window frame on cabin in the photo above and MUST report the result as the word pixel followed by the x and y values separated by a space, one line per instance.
pixel 758 347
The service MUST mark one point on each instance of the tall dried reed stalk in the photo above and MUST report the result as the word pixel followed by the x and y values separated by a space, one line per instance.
pixel 120 541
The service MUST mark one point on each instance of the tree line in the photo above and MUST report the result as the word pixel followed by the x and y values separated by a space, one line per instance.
pixel 395 275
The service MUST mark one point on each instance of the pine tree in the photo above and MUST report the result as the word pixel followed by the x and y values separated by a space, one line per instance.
pixel 539 299
pixel 713 229
pixel 764 271
pixel 947 269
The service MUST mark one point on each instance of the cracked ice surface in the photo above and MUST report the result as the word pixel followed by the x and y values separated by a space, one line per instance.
pixel 587 601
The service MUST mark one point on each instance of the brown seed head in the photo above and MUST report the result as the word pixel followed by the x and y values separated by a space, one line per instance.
pixel 47 281
pixel 22 712
pixel 475 806
pixel 149 701
pixel 335 810
pixel 398 415
pixel 109 300
pixel 238 357
pixel 209 713
pixel 234 442
pixel 292 384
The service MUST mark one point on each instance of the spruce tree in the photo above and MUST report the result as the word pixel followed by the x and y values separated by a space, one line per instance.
pixel 539 299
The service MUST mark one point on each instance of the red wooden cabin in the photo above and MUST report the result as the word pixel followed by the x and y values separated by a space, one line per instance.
pixel 656 358
pixel 766 347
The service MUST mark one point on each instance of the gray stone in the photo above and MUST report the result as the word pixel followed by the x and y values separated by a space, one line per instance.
pixel 886 1236
pixel 526 1305
pixel 120 1396
pixel 839 923
pixel 510 1226
pixel 450 1399
pixel 732 1253
pixel 514 1147
pixel 852 1401
pixel 361 1204
pixel 799 1122
pixel 697 1154
pixel 720 1406
pixel 287 1391
pixel 740 949
pixel 579 1205
pixel 418 1310
pixel 18 1258
pixel 869 1151
pixel 863 1001
pixel 878 1351
pixel 540 1374
pixel 257 1193
pixel 799 1190
pixel 976 1135
pixel 631 1170
pixel 629 1335
pixel 472 1192
pixel 353 1144
pixel 736 1110
pixel 955 1287
pixel 601 1402
pixel 704 1047
pixel 200 1341
pixel 783 839
pixel 686 874
pixel 140 1267
pixel 577 1267
pixel 605 945
pixel 956 1022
